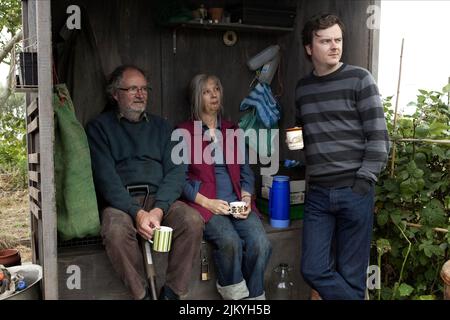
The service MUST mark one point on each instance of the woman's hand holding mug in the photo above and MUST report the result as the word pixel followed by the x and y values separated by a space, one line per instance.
pixel 217 206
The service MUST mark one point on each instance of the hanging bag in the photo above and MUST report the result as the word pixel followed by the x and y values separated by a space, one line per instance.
pixel 76 202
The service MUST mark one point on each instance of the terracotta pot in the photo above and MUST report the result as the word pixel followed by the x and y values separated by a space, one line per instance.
pixel 10 257
pixel 216 14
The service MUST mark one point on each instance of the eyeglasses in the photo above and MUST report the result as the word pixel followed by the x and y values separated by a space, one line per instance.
pixel 134 90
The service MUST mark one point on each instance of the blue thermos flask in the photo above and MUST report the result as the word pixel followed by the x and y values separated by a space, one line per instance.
pixel 279 201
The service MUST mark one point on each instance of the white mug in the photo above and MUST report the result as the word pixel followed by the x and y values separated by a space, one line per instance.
pixel 294 138
pixel 237 207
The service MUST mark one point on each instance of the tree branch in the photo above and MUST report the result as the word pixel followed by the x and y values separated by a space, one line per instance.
pixel 416 225
pixel 424 140
pixel 4 97
pixel 10 45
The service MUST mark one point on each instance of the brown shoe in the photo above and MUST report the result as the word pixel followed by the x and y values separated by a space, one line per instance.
pixel 314 295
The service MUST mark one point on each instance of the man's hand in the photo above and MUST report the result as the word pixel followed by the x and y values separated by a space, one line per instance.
pixel 362 186
pixel 148 221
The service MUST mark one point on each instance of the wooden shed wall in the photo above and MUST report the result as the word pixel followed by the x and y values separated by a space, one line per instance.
pixel 126 33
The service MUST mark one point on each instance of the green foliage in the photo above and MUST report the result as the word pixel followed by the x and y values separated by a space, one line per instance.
pixel 405 290
pixel 13 159
pixel 10 23
pixel 410 256
pixel 10 15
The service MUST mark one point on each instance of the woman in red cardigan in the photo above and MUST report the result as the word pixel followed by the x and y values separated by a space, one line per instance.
pixel 216 177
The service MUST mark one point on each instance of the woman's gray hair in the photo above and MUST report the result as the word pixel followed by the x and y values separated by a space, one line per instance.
pixel 196 93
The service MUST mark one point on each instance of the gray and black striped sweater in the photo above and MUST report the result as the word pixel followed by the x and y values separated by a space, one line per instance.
pixel 344 127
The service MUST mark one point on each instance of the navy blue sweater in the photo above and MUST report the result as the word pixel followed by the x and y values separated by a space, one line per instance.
pixel 127 153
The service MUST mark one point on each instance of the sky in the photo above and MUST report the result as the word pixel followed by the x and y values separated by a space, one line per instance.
pixel 426 56
pixel 4 69
pixel 426 53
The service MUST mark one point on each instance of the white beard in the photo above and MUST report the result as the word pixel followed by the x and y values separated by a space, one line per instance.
pixel 131 115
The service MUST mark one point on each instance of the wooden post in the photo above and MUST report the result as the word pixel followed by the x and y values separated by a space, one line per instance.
pixel 445 275
pixel 47 232
pixel 394 147
pixel 448 95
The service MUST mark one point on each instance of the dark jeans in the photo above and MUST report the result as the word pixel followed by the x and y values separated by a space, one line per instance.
pixel 241 251
pixel 345 217
pixel 122 247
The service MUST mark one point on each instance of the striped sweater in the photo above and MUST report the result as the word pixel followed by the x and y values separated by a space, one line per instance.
pixel 344 127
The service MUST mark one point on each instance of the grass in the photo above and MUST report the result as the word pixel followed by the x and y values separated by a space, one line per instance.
pixel 15 221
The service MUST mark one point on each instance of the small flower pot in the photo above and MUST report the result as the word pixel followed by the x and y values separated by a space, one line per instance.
pixel 216 14
pixel 10 257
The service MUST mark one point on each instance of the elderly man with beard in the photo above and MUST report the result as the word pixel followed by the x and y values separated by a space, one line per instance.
pixel 138 186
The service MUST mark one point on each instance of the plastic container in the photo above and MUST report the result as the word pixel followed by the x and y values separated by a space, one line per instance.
pixel 295 210
pixel 28 68
pixel 279 202
pixel 263 57
pixel 268 70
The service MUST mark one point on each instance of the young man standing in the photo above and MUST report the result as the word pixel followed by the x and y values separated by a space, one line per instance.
pixel 346 147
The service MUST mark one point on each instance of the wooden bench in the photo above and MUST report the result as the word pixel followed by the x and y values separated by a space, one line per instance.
pixel 99 280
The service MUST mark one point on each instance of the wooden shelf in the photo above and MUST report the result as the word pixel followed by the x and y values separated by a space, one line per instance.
pixel 25 89
pixel 229 26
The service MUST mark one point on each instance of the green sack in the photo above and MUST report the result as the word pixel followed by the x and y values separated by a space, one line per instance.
pixel 263 147
pixel 76 202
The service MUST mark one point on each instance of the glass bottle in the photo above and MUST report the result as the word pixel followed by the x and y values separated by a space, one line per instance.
pixel 203 12
pixel 281 287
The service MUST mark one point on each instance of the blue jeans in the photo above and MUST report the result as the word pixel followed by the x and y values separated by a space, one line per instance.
pixel 241 250
pixel 337 270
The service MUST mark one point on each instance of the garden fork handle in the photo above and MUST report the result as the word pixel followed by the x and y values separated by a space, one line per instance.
pixel 149 267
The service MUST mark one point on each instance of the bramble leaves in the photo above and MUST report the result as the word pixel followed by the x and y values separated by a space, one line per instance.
pixel 405 290
pixel 416 200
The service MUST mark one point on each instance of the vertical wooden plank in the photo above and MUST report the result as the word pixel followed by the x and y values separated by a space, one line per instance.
pixel 46 134
pixel 374 44
pixel 25 25
pixel 29 34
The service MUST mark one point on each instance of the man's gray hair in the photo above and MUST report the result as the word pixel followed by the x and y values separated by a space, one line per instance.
pixel 116 77
pixel 196 93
